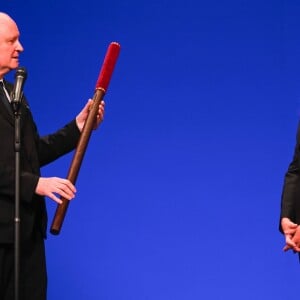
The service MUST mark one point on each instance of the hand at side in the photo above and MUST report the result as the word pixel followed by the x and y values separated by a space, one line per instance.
pixel 292 235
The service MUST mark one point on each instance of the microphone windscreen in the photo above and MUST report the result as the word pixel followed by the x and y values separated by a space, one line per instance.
pixel 21 71
pixel 108 65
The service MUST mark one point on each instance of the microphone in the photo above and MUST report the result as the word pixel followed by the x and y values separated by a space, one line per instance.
pixel 17 93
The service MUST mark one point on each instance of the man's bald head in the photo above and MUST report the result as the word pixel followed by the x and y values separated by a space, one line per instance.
pixel 4 16
pixel 10 46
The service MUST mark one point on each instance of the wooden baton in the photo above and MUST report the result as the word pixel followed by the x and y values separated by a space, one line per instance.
pixel 100 90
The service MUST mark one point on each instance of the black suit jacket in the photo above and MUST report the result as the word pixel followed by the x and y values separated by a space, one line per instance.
pixel 35 152
pixel 290 199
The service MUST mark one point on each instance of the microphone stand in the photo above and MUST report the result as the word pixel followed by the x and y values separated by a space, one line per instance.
pixel 17 115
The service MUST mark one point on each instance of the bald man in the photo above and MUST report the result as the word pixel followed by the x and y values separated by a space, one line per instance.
pixel 35 152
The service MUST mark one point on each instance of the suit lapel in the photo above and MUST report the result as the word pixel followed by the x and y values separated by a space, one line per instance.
pixel 7 112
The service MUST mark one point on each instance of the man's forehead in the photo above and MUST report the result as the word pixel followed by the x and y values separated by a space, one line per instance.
pixel 6 21
pixel 5 18
pixel 8 26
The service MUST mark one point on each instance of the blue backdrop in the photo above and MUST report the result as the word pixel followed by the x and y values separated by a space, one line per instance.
pixel 179 192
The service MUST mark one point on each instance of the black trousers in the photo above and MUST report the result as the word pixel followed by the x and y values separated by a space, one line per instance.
pixel 33 274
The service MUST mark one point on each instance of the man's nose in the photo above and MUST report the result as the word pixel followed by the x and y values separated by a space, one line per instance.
pixel 19 47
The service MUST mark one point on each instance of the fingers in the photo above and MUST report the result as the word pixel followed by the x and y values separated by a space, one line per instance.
pixel 66 186
pixel 290 231
pixel 55 198
pixel 101 109
pixel 88 106
pixel 63 188
pixel 287 224
pixel 100 114
pixel 288 247
pixel 55 187
pixel 82 116
pixel 292 240
pixel 289 244
pixel 289 228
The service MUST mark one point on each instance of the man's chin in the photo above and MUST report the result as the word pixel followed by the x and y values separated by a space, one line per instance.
pixel 15 64
pixel 13 67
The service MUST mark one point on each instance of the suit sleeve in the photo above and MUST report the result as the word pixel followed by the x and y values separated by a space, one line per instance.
pixel 53 146
pixel 50 148
pixel 36 151
pixel 290 198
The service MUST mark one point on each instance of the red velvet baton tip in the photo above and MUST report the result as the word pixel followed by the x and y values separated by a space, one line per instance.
pixel 108 65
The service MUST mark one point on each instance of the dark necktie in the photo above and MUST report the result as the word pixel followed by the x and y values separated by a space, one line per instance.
pixel 4 98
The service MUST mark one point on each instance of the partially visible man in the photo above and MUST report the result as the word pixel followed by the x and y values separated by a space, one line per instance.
pixel 290 202
pixel 35 152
